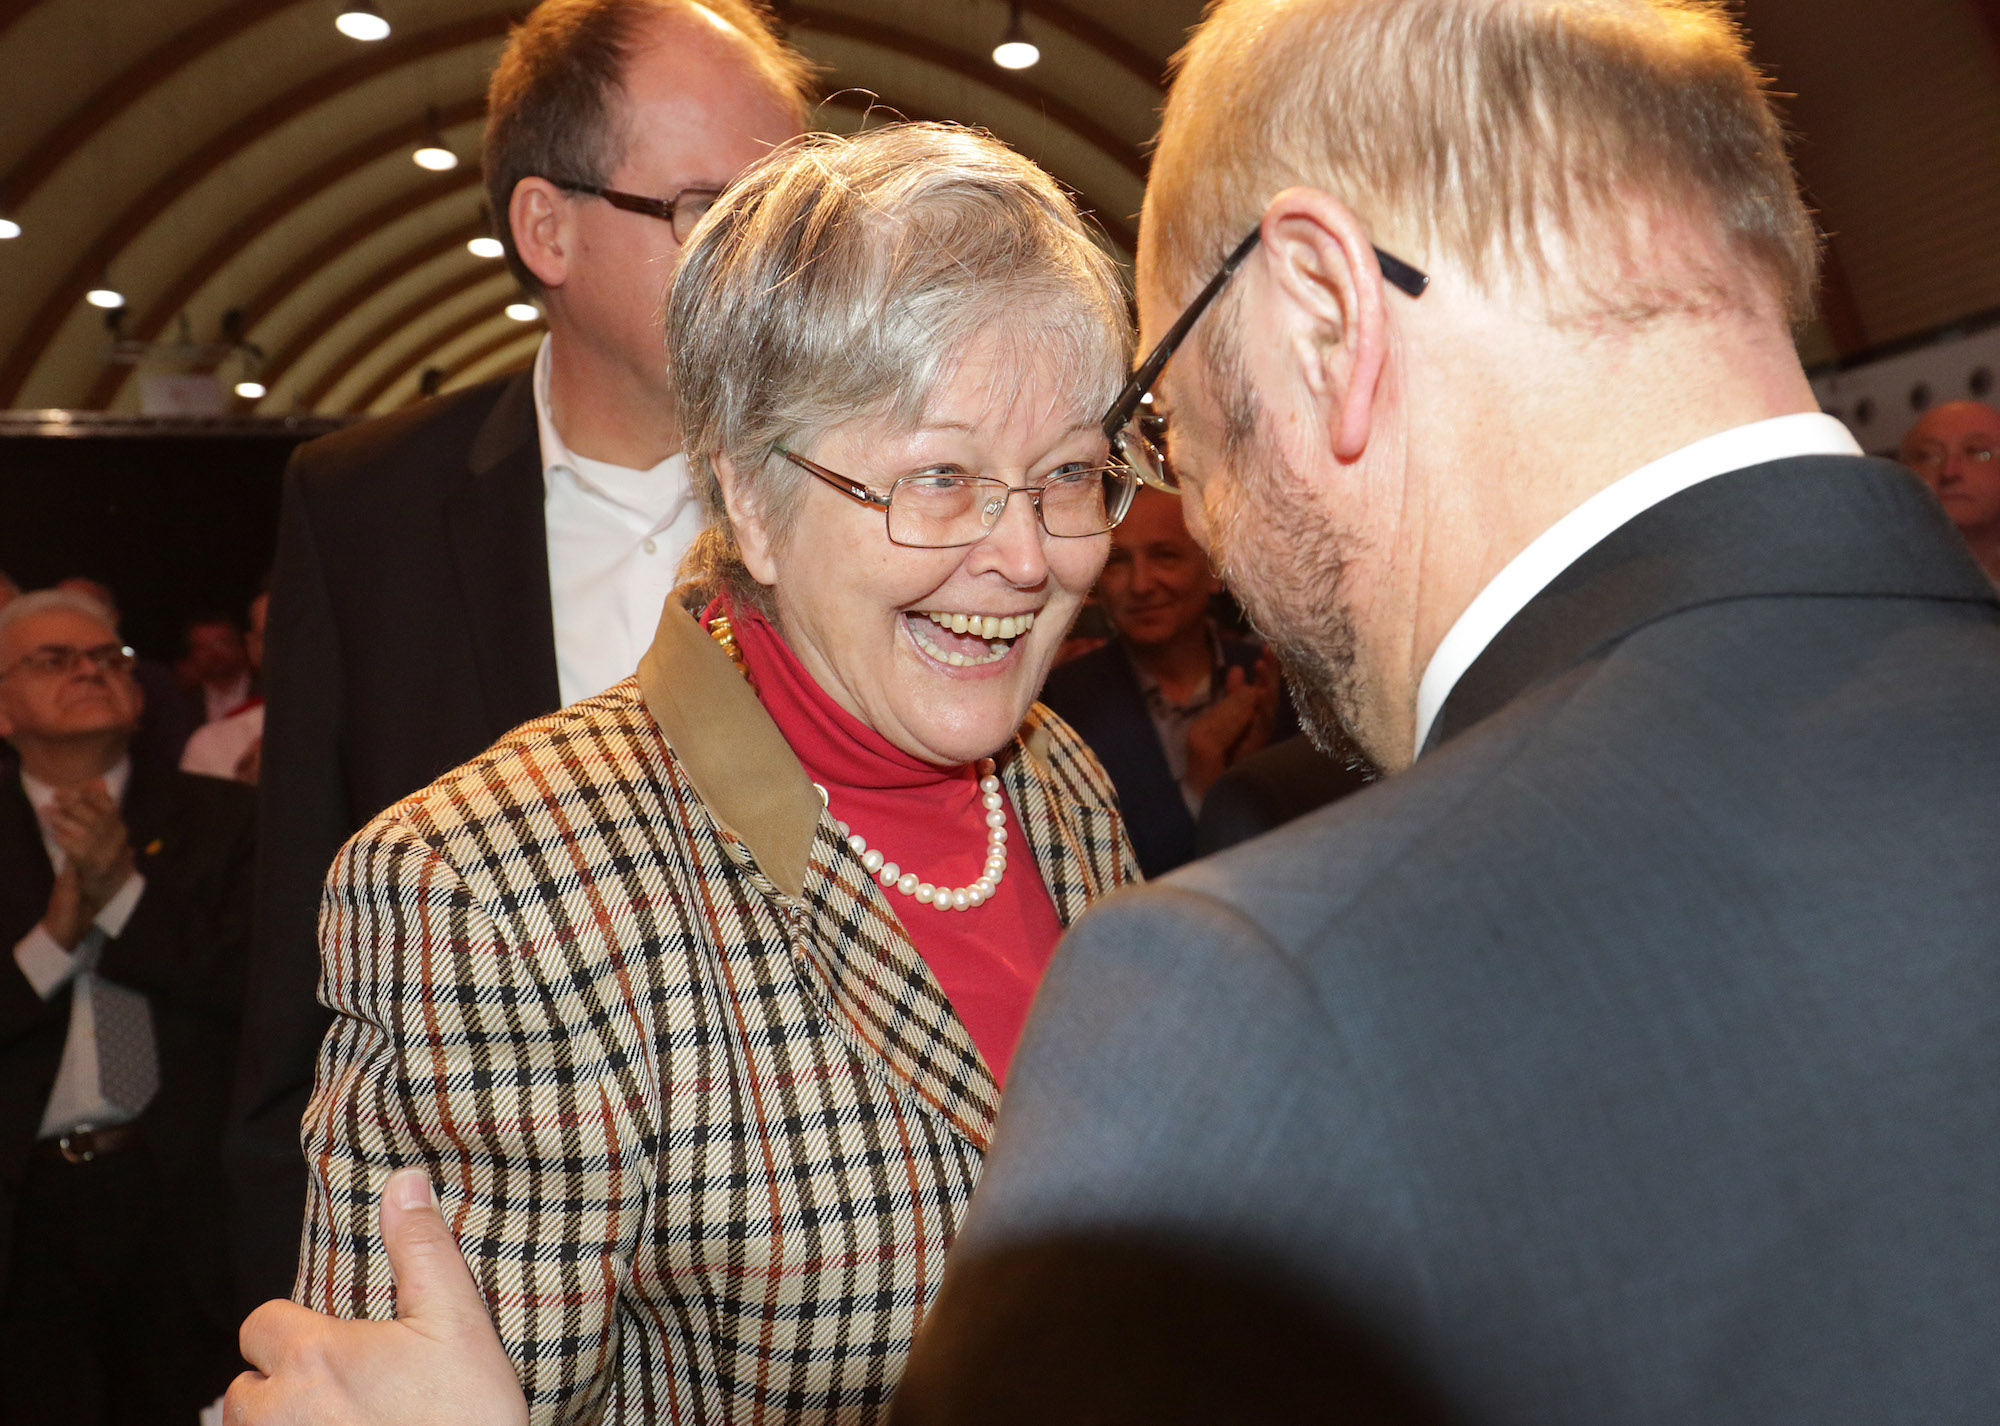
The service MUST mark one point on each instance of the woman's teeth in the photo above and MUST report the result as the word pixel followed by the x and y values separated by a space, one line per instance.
pixel 997 631
pixel 984 626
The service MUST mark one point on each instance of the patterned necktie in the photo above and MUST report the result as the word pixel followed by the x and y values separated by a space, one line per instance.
pixel 128 1064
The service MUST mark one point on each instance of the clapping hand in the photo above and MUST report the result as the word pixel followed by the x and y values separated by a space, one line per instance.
pixel 439 1363
pixel 84 821
pixel 1234 725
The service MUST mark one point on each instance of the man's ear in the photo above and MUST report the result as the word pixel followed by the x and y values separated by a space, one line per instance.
pixel 538 215
pixel 746 518
pixel 1322 267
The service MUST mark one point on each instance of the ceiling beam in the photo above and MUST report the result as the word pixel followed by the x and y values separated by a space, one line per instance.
pixel 401 366
pixel 980 70
pixel 379 335
pixel 336 310
pixel 104 392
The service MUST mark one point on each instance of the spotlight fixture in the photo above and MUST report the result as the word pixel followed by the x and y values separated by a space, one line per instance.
pixel 485 247
pixel 1015 50
pixel 434 155
pixel 9 229
pixel 360 20
pixel 250 390
pixel 523 311
pixel 106 296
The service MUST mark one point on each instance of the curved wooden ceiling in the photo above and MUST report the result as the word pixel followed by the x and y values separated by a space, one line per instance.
pixel 240 164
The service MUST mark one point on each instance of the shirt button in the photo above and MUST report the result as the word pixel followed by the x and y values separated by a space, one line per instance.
pixel 651 547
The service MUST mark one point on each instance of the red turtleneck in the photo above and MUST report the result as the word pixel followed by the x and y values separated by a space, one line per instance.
pixel 928 820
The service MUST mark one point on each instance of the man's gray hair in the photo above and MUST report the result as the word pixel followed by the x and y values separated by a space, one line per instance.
pixel 844 278
pixel 45 601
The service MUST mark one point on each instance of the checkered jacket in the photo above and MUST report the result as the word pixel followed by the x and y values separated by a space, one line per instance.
pixel 696 1109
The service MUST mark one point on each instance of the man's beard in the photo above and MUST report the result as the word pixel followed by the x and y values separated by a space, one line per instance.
pixel 1284 559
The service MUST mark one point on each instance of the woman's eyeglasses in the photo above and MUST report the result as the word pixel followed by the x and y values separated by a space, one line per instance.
pixel 937 512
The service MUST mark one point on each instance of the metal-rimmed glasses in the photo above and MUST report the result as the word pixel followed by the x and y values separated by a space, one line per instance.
pixel 941 512
pixel 1139 437
pixel 682 211
pixel 60 660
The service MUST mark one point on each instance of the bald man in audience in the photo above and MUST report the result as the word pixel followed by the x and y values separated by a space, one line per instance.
pixel 1955 448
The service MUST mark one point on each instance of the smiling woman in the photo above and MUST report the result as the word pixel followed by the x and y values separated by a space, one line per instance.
pixel 695 998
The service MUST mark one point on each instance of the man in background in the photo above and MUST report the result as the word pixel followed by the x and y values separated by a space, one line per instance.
pixel 125 907
pixel 1955 450
pixel 450 571
pixel 1172 700
pixel 214 667
pixel 231 746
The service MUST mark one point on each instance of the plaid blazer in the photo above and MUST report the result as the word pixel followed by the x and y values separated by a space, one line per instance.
pixel 696 1109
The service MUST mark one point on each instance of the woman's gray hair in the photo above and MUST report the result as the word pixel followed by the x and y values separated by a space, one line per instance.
pixel 843 278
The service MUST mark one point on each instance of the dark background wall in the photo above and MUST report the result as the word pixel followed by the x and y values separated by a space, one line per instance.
pixel 176 524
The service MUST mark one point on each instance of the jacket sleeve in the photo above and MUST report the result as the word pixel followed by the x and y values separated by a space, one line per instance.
pixel 447 1052
pixel 303 819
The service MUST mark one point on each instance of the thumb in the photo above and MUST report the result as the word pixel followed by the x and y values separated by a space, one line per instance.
pixel 434 1289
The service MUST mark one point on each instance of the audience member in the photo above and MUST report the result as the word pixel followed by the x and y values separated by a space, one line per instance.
pixel 1172 700
pixel 9 591
pixel 124 897
pixel 166 722
pixel 453 570
pixel 214 668
pixel 1628 1060
pixel 231 746
pixel 1955 448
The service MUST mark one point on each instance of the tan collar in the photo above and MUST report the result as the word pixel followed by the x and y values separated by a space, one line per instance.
pixel 731 750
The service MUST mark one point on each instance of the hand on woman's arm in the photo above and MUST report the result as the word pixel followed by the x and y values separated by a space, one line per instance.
pixel 439 1363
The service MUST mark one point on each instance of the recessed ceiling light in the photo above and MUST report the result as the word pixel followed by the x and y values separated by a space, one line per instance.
pixel 109 298
pixel 485 247
pixel 523 311
pixel 9 228
pixel 250 390
pixel 360 20
pixel 436 158
pixel 1015 50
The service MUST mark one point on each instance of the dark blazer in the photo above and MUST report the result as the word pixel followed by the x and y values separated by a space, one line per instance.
pixel 1098 694
pixel 1273 786
pixel 1630 1060
pixel 410 626
pixel 185 948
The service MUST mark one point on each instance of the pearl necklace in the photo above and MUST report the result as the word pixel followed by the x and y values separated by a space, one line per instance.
pixel 945 898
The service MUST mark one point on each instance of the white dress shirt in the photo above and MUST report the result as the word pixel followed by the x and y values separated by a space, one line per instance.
pixel 616 537
pixel 1570 538
pixel 76 1099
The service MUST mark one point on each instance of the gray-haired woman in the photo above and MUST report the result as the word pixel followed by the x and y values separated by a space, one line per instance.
pixel 694 998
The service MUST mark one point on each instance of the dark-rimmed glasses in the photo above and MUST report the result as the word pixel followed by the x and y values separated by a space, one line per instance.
pixel 682 211
pixel 60 660
pixel 1139 438
pixel 941 512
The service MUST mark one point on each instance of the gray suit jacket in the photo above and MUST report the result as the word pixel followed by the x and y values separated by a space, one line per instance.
pixel 1633 1058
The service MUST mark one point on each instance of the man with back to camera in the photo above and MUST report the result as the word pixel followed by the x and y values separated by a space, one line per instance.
pixel 1625 1056
pixel 455 569
pixel 1955 450
pixel 125 910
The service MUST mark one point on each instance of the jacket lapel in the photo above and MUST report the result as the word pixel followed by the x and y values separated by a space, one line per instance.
pixel 1810 525
pixel 499 545
pixel 847 940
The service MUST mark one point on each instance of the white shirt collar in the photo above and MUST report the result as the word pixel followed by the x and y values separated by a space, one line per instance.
pixel 655 496
pixel 1566 541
